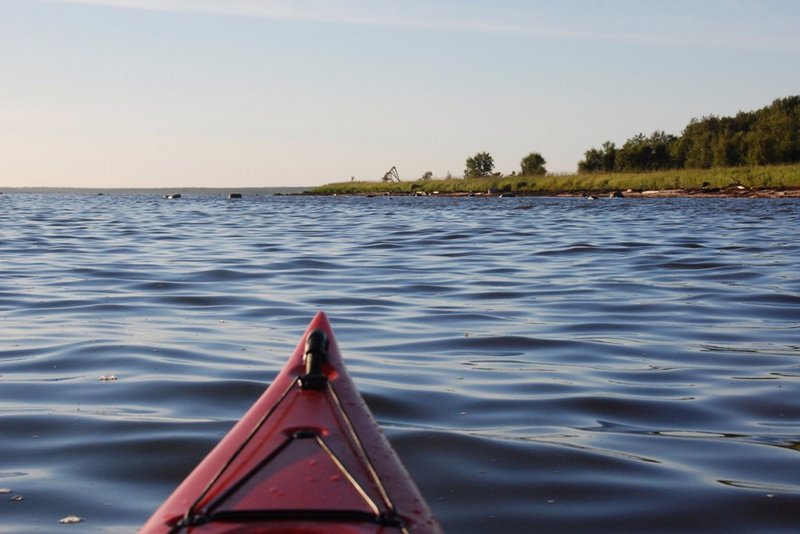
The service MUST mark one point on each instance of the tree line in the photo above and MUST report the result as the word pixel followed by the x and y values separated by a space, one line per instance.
pixel 482 164
pixel 768 136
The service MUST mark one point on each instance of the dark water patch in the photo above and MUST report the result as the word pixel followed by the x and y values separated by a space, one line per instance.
pixel 496 295
pixel 691 265
pixel 264 311
pixel 374 304
pixel 381 245
pixel 475 345
pixel 110 272
pixel 159 285
pixel 304 265
pixel 411 289
pixel 607 328
pixel 771 299
pixel 225 275
pixel 204 301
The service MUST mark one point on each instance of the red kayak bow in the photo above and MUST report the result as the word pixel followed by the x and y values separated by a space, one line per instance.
pixel 307 457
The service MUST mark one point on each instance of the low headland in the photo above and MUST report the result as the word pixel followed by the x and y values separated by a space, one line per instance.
pixel 777 181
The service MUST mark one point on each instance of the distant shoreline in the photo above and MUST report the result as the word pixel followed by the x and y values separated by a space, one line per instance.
pixel 187 193
pixel 719 193
pixel 728 192
pixel 761 181
pixel 161 191
pixel 662 193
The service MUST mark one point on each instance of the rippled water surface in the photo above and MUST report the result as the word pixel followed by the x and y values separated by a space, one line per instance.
pixel 551 365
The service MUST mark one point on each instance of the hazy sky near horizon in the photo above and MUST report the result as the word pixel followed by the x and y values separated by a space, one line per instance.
pixel 217 93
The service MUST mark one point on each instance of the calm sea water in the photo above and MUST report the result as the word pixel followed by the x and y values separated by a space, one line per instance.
pixel 540 365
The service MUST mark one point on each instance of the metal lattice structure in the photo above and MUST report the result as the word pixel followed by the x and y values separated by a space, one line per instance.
pixel 392 175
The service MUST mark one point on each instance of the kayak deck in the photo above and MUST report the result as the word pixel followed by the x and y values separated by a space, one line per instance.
pixel 307 457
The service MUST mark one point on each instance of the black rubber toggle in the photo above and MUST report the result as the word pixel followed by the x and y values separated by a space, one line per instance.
pixel 315 356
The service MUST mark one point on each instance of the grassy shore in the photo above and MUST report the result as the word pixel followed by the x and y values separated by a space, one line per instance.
pixel 777 177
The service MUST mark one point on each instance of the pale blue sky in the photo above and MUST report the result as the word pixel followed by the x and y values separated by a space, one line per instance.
pixel 178 93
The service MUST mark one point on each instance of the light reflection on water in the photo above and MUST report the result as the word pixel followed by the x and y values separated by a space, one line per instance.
pixel 539 364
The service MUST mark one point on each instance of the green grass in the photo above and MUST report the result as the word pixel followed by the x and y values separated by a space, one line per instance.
pixel 774 176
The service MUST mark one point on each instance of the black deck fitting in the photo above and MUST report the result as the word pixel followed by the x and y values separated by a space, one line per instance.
pixel 316 355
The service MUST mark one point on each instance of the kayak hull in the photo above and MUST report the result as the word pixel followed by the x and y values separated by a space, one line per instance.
pixel 307 457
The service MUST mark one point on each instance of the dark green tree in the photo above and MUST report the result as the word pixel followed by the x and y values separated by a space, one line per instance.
pixel 597 160
pixel 695 146
pixel 640 153
pixel 592 161
pixel 533 165
pixel 768 136
pixel 634 154
pixel 661 148
pixel 609 156
pixel 774 136
pixel 481 164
